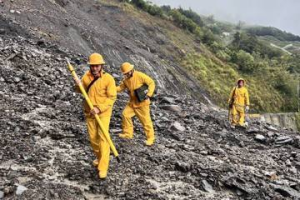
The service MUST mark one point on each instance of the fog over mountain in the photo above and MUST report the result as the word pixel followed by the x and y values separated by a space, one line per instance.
pixel 283 14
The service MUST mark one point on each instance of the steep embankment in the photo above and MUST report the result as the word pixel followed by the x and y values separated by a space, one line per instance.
pixel 180 60
pixel 88 26
pixel 44 145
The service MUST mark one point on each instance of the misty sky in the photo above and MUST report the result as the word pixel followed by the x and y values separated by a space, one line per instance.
pixel 283 14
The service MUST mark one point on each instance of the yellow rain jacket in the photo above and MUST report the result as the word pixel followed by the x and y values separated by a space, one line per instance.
pixel 240 98
pixel 103 94
pixel 136 108
pixel 135 82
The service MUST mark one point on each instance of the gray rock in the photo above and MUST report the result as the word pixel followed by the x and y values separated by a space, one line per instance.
pixel 207 187
pixel 176 126
pixel 1 194
pixel 181 166
pixel 253 130
pixel 270 134
pixel 177 136
pixel 283 140
pixel 260 138
pixel 174 108
pixel 271 128
pixel 20 189
pixel 168 100
pixel 17 79
pixel 286 191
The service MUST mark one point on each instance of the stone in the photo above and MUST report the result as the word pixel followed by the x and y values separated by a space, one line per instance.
pixel 283 140
pixel 20 189
pixel 167 100
pixel 1 194
pixel 174 108
pixel 17 79
pixel 207 187
pixel 176 126
pixel 270 134
pixel 286 191
pixel 181 166
pixel 271 128
pixel 252 130
pixel 177 136
pixel 260 138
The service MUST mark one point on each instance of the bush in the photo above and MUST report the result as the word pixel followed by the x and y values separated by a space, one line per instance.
pixel 223 55
pixel 155 10
pixel 245 61
pixel 184 22
pixel 208 37
pixel 192 15
pixel 280 35
pixel 140 4
pixel 251 44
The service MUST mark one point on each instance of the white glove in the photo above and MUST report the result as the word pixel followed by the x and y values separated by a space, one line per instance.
pixel 247 109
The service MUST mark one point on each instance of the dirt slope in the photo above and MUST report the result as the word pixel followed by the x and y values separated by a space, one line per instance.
pixel 86 26
pixel 44 145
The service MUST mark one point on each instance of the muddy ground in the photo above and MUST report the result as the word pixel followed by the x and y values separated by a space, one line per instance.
pixel 45 152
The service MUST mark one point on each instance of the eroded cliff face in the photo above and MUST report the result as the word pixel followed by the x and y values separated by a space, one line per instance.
pixel 45 151
pixel 86 26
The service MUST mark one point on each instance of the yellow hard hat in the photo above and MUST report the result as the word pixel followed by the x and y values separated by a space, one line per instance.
pixel 126 67
pixel 96 59
pixel 241 79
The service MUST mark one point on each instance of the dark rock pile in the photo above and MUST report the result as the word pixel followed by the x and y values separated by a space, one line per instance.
pixel 45 152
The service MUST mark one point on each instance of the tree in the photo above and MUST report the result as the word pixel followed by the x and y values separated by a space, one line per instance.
pixel 245 61
pixel 140 4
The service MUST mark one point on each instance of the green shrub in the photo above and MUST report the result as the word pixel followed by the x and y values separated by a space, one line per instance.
pixel 155 10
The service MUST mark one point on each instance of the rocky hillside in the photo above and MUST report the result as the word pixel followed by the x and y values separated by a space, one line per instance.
pixel 44 148
pixel 87 26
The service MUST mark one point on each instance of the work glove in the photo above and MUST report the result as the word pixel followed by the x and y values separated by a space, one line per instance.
pixel 247 109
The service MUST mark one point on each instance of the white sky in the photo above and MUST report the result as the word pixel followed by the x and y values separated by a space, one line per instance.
pixel 283 14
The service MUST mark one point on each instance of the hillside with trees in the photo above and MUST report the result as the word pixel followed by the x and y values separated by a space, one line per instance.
pixel 272 74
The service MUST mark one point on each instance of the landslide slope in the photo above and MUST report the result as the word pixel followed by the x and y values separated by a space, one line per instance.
pixel 44 145
pixel 113 29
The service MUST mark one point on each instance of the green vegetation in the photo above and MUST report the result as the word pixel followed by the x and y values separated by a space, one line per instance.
pixel 271 31
pixel 220 78
pixel 271 74
pixel 251 44
pixel 185 19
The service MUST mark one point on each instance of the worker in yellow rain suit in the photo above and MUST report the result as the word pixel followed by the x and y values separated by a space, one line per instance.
pixel 239 103
pixel 101 89
pixel 133 80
